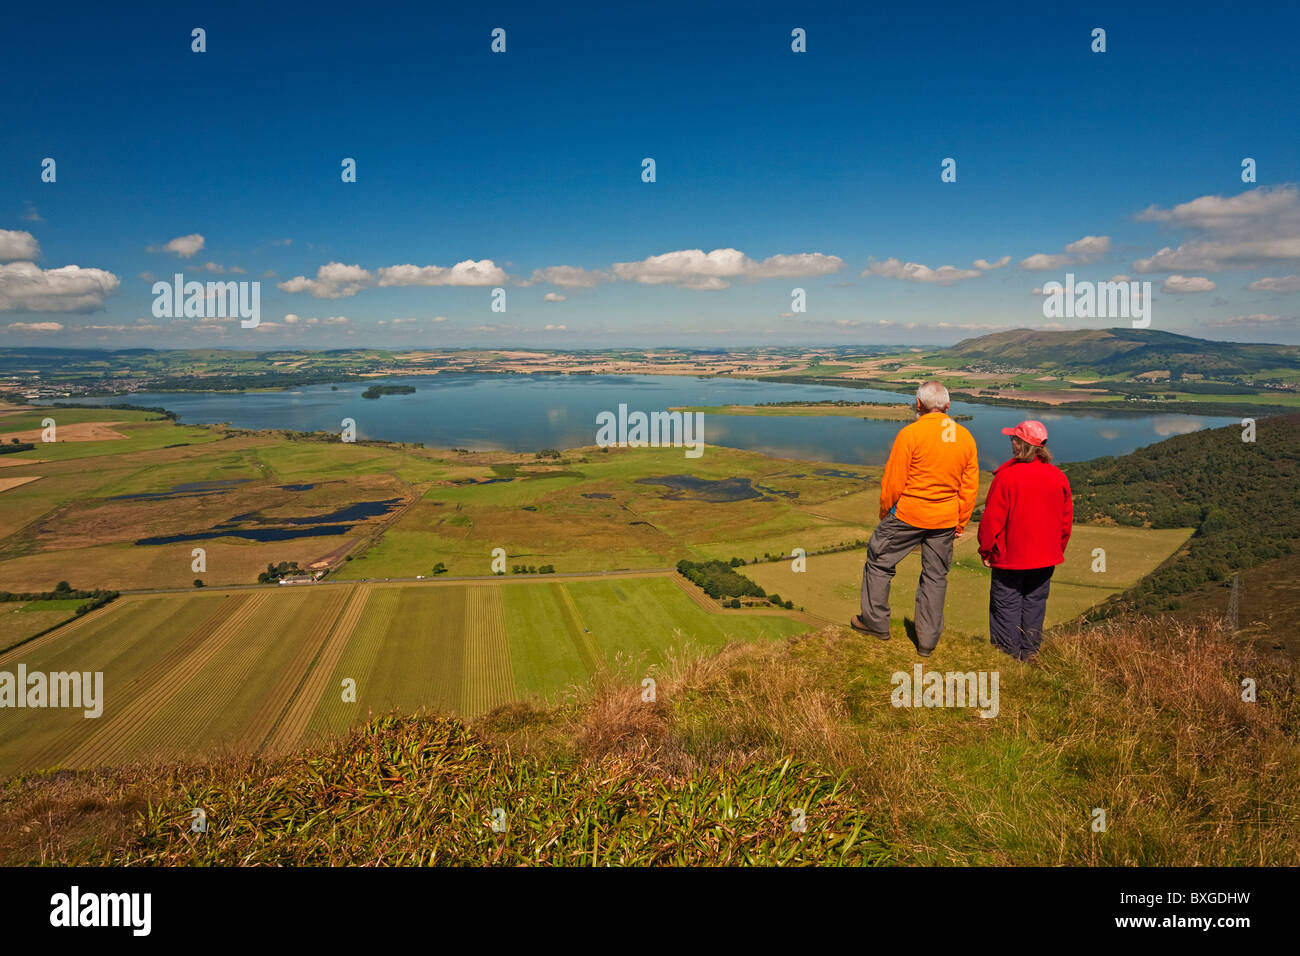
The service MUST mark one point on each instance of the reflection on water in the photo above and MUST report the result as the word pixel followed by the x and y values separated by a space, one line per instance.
pixel 1166 425
pixel 530 412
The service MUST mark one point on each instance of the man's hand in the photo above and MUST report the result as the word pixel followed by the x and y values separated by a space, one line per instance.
pixel 958 533
pixel 987 562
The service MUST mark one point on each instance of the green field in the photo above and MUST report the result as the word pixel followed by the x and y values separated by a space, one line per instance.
pixel 255 670
pixel 595 514
pixel 830 587
pixel 22 620
pixel 589 512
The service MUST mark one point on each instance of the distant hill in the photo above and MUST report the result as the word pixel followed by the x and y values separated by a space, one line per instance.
pixel 1122 351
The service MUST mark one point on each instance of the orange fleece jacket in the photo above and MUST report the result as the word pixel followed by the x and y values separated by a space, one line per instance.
pixel 934 482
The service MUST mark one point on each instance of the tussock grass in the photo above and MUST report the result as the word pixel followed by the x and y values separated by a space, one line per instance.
pixel 423 791
pixel 1144 720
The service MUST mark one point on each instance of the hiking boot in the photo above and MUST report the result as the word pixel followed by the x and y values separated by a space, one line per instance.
pixel 920 651
pixel 858 624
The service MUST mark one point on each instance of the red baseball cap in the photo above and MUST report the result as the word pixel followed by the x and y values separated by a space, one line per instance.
pixel 1033 432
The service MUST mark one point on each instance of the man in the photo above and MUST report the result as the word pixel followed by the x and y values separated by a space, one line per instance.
pixel 927 495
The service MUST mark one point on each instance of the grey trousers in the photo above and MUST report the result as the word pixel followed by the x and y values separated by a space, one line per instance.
pixel 891 542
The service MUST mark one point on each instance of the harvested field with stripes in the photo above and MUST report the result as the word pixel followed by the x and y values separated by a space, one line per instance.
pixel 213 673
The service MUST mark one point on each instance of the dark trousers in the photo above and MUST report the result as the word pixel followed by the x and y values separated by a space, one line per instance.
pixel 891 542
pixel 1017 606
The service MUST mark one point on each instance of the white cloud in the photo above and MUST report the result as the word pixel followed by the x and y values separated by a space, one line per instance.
pixel 557 328
pixel 1089 248
pixel 31 215
pixel 1041 262
pixel 183 246
pixel 484 272
pixel 334 280
pixel 24 287
pixel 292 318
pixel 1180 284
pixel 1255 229
pixel 36 326
pixel 914 326
pixel 696 269
pixel 141 325
pixel 571 277
pixel 916 272
pixel 1258 320
pixel 220 269
pixel 1218 256
pixel 986 265
pixel 16 245
pixel 1276 284
pixel 798 266
pixel 1218 214
pixel 554 297
pixel 1081 251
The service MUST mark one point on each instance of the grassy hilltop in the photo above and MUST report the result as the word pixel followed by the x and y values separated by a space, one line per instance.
pixel 1144 720
pixel 1120 350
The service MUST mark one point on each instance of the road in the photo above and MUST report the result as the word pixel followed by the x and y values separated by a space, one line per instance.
pixel 427 579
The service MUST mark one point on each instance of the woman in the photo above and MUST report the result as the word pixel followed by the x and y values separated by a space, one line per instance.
pixel 1023 532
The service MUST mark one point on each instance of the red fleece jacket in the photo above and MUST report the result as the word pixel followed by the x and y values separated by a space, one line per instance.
pixel 1027 516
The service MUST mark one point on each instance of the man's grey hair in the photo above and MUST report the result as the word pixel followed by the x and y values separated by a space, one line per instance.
pixel 932 396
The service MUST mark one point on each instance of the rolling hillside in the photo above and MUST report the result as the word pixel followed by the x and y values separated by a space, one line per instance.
pixel 1240 496
pixel 1122 351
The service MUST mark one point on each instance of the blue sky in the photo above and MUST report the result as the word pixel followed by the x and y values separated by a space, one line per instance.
pixel 816 170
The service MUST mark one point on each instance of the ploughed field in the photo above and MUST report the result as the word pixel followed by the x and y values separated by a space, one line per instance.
pixel 267 669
